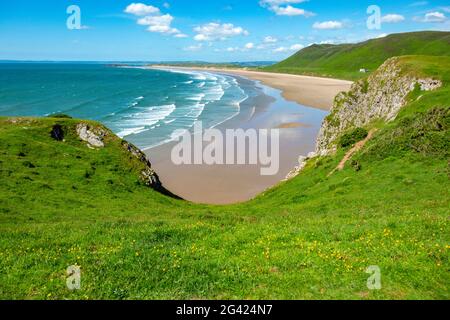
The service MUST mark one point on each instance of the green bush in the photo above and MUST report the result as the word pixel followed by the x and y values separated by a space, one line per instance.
pixel 60 116
pixel 352 137
pixel 425 133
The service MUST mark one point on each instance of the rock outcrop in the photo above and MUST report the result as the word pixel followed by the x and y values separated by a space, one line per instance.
pixel 302 161
pixel 92 135
pixel 95 138
pixel 148 175
pixel 379 97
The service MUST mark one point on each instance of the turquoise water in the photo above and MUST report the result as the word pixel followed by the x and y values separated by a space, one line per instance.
pixel 141 105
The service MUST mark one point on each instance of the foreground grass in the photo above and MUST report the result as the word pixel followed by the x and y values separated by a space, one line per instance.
pixel 62 204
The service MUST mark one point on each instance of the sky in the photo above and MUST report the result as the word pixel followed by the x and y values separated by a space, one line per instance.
pixel 201 30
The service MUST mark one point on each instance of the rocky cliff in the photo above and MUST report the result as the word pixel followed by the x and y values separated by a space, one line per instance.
pixel 379 97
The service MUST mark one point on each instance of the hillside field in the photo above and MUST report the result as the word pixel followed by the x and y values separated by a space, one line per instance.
pixel 344 61
pixel 312 237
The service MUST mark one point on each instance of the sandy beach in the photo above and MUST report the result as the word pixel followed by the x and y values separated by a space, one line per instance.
pixel 270 109
pixel 309 91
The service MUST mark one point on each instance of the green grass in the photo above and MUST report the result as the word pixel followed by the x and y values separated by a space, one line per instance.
pixel 344 61
pixel 313 237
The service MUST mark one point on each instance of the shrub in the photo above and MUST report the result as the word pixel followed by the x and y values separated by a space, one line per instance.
pixel 60 116
pixel 423 133
pixel 364 86
pixel 352 137
pixel 356 165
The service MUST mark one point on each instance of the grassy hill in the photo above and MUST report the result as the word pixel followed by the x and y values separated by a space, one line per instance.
pixel 313 237
pixel 345 60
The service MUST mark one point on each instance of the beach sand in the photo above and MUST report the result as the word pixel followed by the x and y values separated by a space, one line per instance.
pixel 298 125
pixel 309 91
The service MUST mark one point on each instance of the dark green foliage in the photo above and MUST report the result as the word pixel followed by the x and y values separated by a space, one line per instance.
pixel 356 165
pixel 57 132
pixel 28 164
pixel 352 137
pixel 425 133
pixel 60 116
pixel 365 86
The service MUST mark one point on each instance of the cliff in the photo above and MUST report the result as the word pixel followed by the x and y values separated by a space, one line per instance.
pixel 380 97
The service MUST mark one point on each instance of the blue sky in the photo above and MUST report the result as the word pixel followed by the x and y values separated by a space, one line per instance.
pixel 212 30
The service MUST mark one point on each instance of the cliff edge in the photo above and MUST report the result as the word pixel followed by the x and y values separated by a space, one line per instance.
pixel 380 97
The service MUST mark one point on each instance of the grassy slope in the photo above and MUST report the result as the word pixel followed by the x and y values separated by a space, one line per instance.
pixel 344 61
pixel 312 237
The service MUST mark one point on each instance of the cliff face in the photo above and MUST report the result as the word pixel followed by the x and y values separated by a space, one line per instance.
pixel 148 175
pixel 379 97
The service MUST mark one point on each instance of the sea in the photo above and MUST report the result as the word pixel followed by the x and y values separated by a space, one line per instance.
pixel 142 105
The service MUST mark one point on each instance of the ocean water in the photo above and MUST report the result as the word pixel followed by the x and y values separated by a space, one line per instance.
pixel 143 106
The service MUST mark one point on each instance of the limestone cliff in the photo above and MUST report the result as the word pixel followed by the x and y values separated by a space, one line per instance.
pixel 379 97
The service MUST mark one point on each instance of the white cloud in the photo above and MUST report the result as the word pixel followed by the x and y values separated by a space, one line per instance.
pixel 215 31
pixel 272 3
pixel 140 9
pixel 328 25
pixel 383 35
pixel 246 47
pixel 294 47
pixel 154 20
pixel 297 47
pixel 432 17
pixel 270 39
pixel 284 8
pixel 161 24
pixel 249 45
pixel 291 11
pixel 194 48
pixel 281 49
pixel 166 5
pixel 392 18
pixel 435 17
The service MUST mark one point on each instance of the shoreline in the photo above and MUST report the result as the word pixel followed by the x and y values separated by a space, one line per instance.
pixel 309 91
pixel 228 184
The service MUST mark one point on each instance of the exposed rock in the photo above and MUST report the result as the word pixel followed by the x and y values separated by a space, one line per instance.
pixel 302 161
pixel 312 155
pixel 57 132
pixel 148 175
pixel 380 97
pixel 93 136
pixel 429 84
